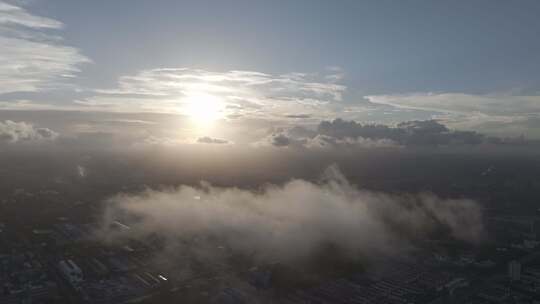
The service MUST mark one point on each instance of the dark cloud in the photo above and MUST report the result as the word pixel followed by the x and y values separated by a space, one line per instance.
pixel 281 140
pixel 299 116
pixel 289 138
pixel 299 132
pixel 415 133
pixel 423 133
pixel 423 126
pixel 340 128
pixel 210 140
pixel 284 138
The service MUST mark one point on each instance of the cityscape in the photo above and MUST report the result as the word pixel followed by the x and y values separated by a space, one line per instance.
pixel 63 258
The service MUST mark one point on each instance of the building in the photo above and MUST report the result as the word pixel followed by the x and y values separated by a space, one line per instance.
pixel 514 270
pixel 71 272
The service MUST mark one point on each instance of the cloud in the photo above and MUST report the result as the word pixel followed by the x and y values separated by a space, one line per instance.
pixel 426 132
pixel 33 59
pixel 14 15
pixel 129 121
pixel 243 93
pixel 348 142
pixel 527 127
pixel 210 140
pixel 286 138
pixel 280 140
pixel 159 141
pixel 493 105
pixel 340 133
pixel 300 116
pixel 473 111
pixel 339 128
pixel 170 142
pixel 292 221
pixel 12 132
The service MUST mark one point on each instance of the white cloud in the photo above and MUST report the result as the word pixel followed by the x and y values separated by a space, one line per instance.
pixel 293 220
pixel 24 105
pixel 11 14
pixel 244 93
pixel 348 142
pixel 12 132
pixel 492 105
pixel 31 59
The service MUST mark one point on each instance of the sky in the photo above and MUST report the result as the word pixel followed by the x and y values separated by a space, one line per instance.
pixel 232 71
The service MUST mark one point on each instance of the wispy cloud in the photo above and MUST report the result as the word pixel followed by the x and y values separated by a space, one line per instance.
pixel 493 105
pixel 470 111
pixel 11 14
pixel 31 57
pixel 244 93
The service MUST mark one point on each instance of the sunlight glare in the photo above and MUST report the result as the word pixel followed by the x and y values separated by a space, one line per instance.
pixel 204 108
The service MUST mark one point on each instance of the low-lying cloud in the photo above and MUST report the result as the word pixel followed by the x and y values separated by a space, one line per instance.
pixel 416 132
pixel 284 138
pixel 12 132
pixel 292 221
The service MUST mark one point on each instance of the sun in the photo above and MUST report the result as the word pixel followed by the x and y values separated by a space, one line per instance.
pixel 204 108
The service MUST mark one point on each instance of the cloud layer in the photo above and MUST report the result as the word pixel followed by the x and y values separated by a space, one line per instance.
pixel 292 221
pixel 343 133
pixel 241 93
